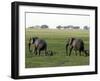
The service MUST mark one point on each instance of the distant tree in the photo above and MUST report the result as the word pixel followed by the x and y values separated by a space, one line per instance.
pixel 44 26
pixel 59 27
pixel 76 27
pixel 31 27
pixel 65 27
pixel 70 26
pixel 86 28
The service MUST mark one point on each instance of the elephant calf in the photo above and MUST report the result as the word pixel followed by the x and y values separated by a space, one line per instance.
pixel 76 44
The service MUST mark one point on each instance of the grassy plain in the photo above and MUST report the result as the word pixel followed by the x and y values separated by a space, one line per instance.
pixel 56 40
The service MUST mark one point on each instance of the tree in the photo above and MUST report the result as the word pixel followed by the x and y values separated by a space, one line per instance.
pixel 76 27
pixel 66 27
pixel 59 27
pixel 31 27
pixel 70 26
pixel 44 26
pixel 86 27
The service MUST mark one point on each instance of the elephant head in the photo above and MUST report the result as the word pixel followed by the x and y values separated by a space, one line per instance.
pixel 34 39
pixel 69 43
pixel 31 41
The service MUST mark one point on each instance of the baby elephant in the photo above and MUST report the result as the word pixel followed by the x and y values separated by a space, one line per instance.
pixel 86 52
pixel 50 53
pixel 39 45
pixel 76 44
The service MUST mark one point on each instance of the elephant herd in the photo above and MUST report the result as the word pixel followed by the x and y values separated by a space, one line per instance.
pixel 71 44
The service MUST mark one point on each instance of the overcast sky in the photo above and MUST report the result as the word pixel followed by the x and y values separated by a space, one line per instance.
pixel 53 20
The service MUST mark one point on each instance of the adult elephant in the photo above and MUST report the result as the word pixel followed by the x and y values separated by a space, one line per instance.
pixel 39 45
pixel 75 44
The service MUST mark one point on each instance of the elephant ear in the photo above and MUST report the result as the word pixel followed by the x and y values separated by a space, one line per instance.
pixel 71 40
pixel 34 39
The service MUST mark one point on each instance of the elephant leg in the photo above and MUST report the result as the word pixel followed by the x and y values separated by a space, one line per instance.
pixel 80 52
pixel 76 52
pixel 39 52
pixel 35 51
pixel 70 50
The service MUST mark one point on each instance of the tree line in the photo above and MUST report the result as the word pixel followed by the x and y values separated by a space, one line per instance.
pixel 60 27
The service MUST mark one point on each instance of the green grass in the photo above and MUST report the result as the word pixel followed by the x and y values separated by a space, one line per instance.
pixel 56 40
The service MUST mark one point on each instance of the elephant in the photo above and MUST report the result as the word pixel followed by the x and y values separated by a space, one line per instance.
pixel 50 53
pixel 86 52
pixel 39 45
pixel 75 44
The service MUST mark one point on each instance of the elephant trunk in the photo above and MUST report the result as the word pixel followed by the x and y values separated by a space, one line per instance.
pixel 67 49
pixel 29 44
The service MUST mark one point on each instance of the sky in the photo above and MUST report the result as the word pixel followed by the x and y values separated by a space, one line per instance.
pixel 53 20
